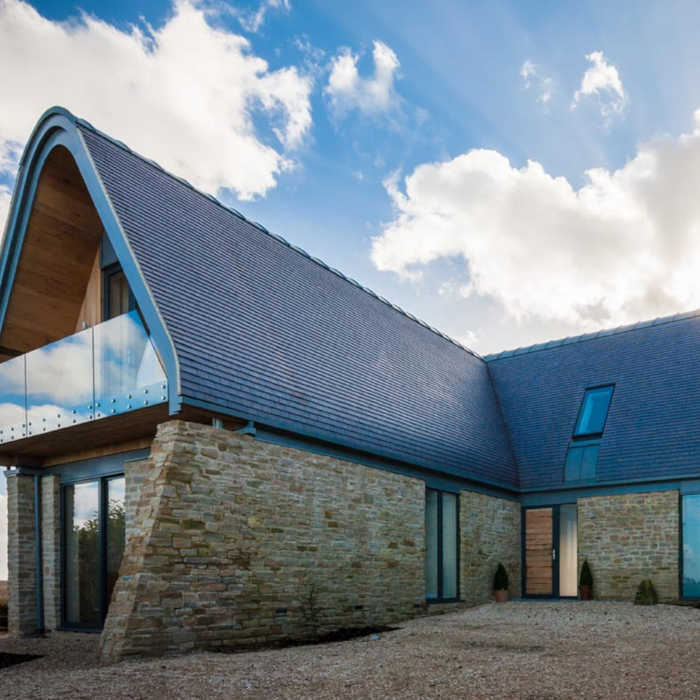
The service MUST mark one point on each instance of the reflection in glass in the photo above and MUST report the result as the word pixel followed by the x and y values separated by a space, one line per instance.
pixel 431 544
pixel 594 411
pixel 449 545
pixel 116 533
pixel 109 369
pixel 82 574
pixel 128 373
pixel 691 546
pixel 568 550
pixel 59 383
pixel 441 545
pixel 12 399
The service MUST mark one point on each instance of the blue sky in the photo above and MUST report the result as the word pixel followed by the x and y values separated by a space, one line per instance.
pixel 459 87
pixel 415 180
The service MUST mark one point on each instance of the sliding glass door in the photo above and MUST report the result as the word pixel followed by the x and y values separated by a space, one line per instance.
pixel 93 547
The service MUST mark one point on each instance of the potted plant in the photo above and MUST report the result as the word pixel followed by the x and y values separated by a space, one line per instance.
pixel 500 584
pixel 586 581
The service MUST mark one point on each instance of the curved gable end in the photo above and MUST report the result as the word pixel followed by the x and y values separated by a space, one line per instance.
pixel 266 333
pixel 59 217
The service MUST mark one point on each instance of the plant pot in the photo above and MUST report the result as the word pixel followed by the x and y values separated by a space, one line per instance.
pixel 585 592
pixel 501 596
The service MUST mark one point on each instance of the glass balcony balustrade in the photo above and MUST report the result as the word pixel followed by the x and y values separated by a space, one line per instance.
pixel 103 371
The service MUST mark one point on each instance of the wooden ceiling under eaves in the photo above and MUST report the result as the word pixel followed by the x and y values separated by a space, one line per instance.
pixel 62 239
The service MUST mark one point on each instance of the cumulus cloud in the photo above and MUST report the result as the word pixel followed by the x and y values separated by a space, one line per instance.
pixel 188 94
pixel 348 90
pixel 601 82
pixel 542 85
pixel 624 246
pixel 253 21
pixel 4 207
pixel 3 537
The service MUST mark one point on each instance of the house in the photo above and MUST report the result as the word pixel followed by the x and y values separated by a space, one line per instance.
pixel 214 439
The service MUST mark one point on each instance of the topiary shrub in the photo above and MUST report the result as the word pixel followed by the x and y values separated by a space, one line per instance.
pixel 500 580
pixel 646 594
pixel 586 575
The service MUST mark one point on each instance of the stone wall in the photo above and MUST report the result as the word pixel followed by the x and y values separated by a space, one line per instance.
pixel 135 472
pixel 21 546
pixel 242 542
pixel 51 550
pixel 630 537
pixel 490 533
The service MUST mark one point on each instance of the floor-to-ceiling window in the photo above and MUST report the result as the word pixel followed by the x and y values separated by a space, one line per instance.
pixel 82 554
pixel 441 545
pixel 568 550
pixel 93 547
pixel 691 546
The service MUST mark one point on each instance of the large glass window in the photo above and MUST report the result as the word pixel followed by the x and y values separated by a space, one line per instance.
pixel 594 411
pixel 115 527
pixel 691 546
pixel 568 550
pixel 82 548
pixel 94 540
pixel 441 545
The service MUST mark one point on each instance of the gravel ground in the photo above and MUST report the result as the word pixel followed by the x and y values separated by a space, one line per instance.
pixel 526 651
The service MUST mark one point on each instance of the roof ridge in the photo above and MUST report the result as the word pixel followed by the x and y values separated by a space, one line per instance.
pixel 280 239
pixel 594 335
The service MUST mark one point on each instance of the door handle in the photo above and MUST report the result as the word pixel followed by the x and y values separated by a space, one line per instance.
pixel 554 554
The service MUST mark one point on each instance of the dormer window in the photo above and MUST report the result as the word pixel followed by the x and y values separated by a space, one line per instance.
pixel 582 455
pixel 594 411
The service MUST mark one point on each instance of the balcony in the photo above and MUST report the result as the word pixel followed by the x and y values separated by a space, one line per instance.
pixel 108 370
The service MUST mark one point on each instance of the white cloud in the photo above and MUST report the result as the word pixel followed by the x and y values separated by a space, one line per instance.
pixel 625 246
pixel 602 83
pixel 4 207
pixel 3 536
pixel 186 94
pixel 348 90
pixel 314 57
pixel 542 84
pixel 253 21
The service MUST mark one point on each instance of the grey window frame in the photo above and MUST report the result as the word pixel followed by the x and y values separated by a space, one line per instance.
pixel 440 546
pixel 587 392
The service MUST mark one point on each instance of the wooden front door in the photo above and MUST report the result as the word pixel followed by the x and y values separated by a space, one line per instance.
pixel 539 551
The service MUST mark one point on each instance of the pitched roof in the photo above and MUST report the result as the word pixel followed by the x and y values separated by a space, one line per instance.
pixel 594 335
pixel 265 331
pixel 654 418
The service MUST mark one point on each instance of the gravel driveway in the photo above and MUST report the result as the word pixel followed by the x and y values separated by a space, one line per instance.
pixel 528 651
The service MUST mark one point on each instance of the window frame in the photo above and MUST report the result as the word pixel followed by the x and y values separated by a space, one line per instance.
pixel 583 441
pixel 440 547
pixel 107 273
pixel 103 506
pixel 586 392
pixel 681 542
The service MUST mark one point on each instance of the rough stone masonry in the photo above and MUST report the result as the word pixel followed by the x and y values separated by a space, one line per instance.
pixel 630 537
pixel 237 541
